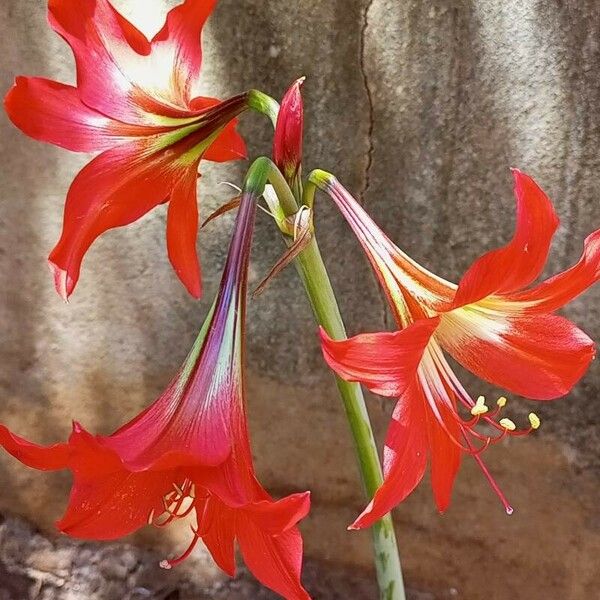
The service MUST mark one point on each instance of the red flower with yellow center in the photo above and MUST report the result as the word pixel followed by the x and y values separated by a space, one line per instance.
pixel 187 455
pixel 495 323
pixel 137 102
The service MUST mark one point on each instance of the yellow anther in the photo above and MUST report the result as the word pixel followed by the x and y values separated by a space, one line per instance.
pixel 501 402
pixel 534 421
pixel 508 424
pixel 480 408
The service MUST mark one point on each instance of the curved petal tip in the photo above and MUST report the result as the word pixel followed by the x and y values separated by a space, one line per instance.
pixel 63 282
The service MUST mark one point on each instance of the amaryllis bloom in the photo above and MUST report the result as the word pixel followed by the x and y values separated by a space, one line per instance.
pixel 289 131
pixel 136 102
pixel 495 322
pixel 187 456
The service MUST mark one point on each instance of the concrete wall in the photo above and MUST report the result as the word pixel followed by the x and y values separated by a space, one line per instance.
pixel 420 108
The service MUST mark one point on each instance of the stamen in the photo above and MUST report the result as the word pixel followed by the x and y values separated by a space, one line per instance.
pixel 507 507
pixel 178 504
pixel 480 408
pixel 435 409
pixel 508 424
pixel 184 508
pixel 169 564
pixel 501 402
pixel 163 520
pixel 534 421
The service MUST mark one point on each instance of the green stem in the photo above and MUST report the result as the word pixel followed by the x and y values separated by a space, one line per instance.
pixel 317 284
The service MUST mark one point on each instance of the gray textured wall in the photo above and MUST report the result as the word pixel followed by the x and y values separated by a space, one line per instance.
pixel 419 107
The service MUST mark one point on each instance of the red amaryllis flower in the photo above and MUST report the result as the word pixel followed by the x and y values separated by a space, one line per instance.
pixel 136 101
pixel 188 454
pixel 495 323
pixel 289 131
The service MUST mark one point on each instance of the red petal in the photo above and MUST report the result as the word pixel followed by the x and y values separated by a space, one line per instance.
pixel 112 75
pixel 115 189
pixel 562 288
pixel 45 458
pixel 52 112
pixel 384 362
pixel 178 45
pixel 540 357
pixel 445 454
pixel 521 261
pixel 182 232
pixel 217 525
pixel 279 516
pixel 228 146
pixel 107 500
pixel 195 422
pixel 276 561
pixel 405 456
pixel 135 38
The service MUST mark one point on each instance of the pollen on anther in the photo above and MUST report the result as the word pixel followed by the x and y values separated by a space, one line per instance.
pixel 534 421
pixel 508 424
pixel 480 408
pixel 501 402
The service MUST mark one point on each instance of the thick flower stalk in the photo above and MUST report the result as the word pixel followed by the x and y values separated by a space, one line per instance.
pixel 291 207
pixel 136 102
pixel 495 323
pixel 188 455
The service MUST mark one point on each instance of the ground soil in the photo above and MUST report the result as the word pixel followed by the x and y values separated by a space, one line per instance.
pixel 34 566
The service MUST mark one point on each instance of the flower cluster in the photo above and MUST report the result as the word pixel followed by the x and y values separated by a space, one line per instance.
pixel 188 456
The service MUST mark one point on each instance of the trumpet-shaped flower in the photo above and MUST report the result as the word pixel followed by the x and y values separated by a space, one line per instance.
pixel 496 323
pixel 187 455
pixel 136 102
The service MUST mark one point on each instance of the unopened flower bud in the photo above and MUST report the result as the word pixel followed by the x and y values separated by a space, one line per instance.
pixel 287 145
